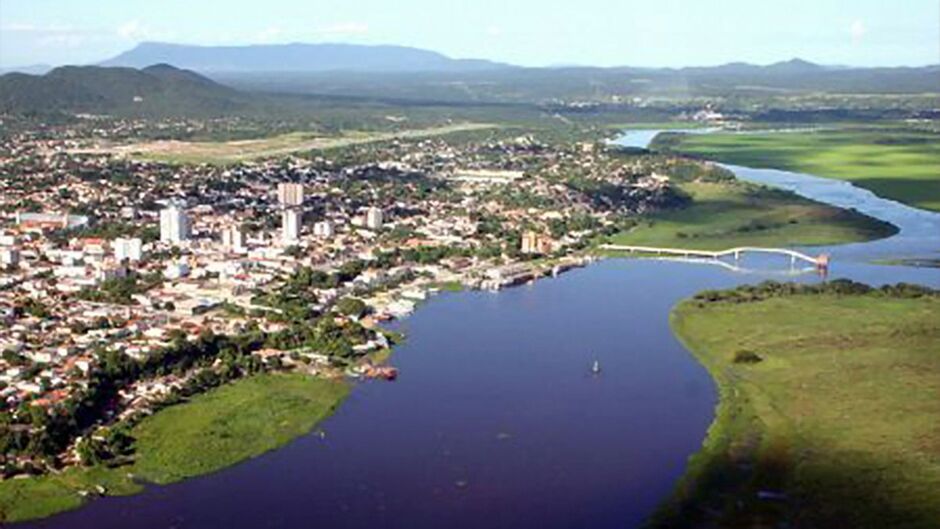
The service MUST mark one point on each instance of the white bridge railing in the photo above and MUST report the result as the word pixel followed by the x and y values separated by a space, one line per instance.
pixel 821 261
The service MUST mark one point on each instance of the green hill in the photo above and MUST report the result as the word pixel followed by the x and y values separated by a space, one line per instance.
pixel 155 91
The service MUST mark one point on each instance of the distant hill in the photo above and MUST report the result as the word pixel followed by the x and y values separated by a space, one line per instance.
pixel 791 67
pixel 158 90
pixel 602 85
pixel 297 58
pixel 34 69
pixel 398 72
pixel 279 80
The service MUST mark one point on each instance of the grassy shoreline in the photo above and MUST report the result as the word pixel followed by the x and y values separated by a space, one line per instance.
pixel 894 163
pixel 733 213
pixel 830 424
pixel 208 433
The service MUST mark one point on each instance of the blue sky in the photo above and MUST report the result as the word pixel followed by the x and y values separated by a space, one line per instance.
pixel 527 32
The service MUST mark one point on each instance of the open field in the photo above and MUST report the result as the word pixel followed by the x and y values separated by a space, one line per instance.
pixel 896 163
pixel 834 422
pixel 234 151
pixel 732 213
pixel 213 430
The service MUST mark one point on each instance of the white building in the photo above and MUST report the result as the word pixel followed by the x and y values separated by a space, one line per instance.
pixel 290 194
pixel 176 270
pixel 290 225
pixel 323 229
pixel 130 249
pixel 50 220
pixel 174 225
pixel 9 257
pixel 374 218
pixel 233 239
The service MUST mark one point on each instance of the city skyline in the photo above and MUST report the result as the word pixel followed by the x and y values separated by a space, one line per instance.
pixel 596 32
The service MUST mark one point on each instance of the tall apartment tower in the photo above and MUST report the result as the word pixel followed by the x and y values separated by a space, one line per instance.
pixel 9 257
pixel 174 225
pixel 290 225
pixel 289 194
pixel 374 218
pixel 129 249
pixel 530 242
pixel 233 239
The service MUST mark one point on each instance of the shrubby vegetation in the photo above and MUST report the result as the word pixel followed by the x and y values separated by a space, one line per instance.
pixel 745 356
pixel 351 307
pixel 120 290
pixel 838 287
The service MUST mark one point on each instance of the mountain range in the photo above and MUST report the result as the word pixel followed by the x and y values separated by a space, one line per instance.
pixel 155 79
pixel 296 58
pixel 400 72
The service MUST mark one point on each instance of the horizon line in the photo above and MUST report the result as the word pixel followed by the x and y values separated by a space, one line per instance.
pixel 550 66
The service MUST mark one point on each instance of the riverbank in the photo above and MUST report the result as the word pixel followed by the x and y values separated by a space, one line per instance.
pixel 893 162
pixel 828 409
pixel 211 431
pixel 729 213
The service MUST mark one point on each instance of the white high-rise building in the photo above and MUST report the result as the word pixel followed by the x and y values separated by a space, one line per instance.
pixel 289 194
pixel 174 225
pixel 233 239
pixel 130 249
pixel 290 225
pixel 9 257
pixel 374 218
pixel 323 229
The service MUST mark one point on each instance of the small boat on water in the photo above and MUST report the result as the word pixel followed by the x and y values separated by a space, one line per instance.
pixel 596 368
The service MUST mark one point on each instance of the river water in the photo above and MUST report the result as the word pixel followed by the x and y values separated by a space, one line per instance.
pixel 496 420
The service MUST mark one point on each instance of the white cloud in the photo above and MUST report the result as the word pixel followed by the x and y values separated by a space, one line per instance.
pixel 136 31
pixel 18 27
pixel 857 30
pixel 63 40
pixel 345 28
pixel 268 35
pixel 33 28
pixel 494 31
pixel 51 35
pixel 130 30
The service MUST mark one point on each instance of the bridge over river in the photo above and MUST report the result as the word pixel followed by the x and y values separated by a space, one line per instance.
pixel 820 261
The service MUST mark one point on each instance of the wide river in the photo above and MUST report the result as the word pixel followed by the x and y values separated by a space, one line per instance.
pixel 496 420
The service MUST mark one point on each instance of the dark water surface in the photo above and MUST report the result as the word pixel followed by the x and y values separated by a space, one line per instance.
pixel 496 420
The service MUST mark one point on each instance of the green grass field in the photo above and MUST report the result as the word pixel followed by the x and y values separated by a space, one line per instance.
pixel 894 163
pixel 837 426
pixel 728 214
pixel 212 431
